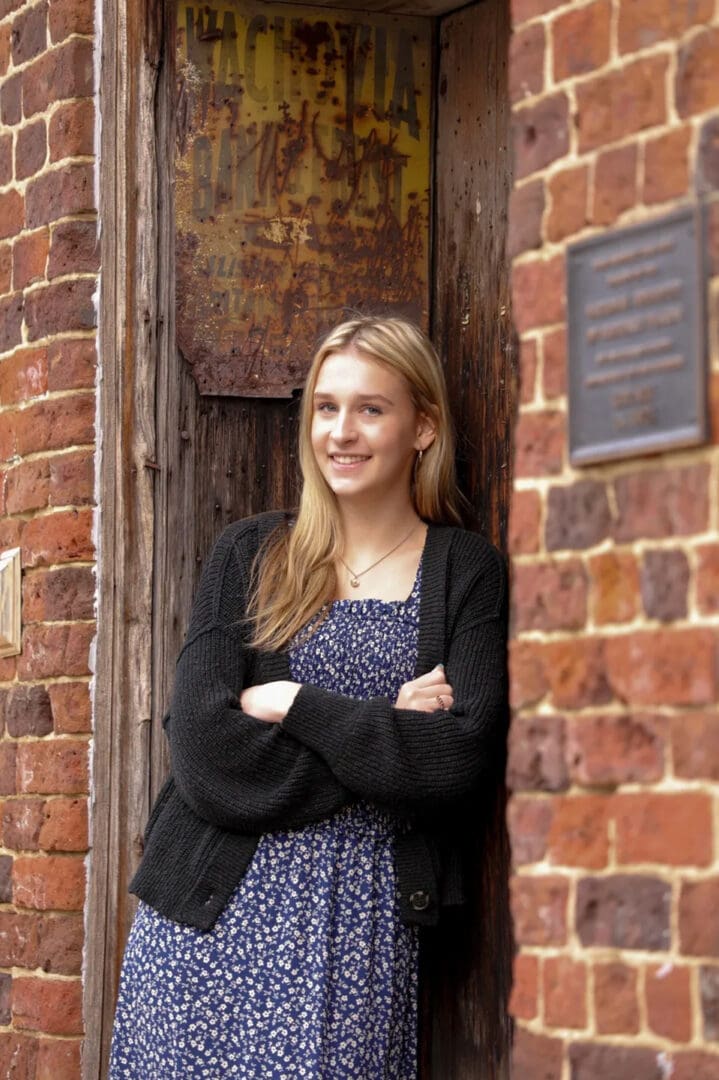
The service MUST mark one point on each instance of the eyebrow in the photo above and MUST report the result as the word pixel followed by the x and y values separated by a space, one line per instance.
pixel 358 397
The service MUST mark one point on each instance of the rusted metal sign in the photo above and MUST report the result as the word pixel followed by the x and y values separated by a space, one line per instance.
pixel 636 340
pixel 302 183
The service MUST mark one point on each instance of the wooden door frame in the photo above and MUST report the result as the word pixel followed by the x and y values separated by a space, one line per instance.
pixel 135 357
pixel 132 329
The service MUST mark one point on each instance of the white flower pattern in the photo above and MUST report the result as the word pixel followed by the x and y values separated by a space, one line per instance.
pixel 308 972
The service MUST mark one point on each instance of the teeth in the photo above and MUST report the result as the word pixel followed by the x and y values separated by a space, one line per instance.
pixel 345 459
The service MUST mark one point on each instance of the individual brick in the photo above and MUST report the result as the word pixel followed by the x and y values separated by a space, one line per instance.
pixel 12 212
pixel 621 102
pixel 538 293
pixel 72 130
pixel 665 582
pixel 5 48
pixel 58 1059
pixel 49 882
pixel 709 990
pixel 54 425
pixel 29 34
pixel 695 745
pixel 526 207
pixel 8 755
pixel 576 671
pixel 643 25
pixel 707 578
pixel 536 754
pixel 663 667
pixel 60 940
pixel 74 248
pixel 668 997
pixel 579 834
pixel 624 911
pixel 696 86
pixel 581 40
pixel 62 306
pixel 539 909
pixel 528 681
pixel 27 486
pixel 524 522
pixel 578 516
pixel 523 1003
pixel 52 767
pixel 615 587
pixel 28 711
pixel 655 503
pixel 565 988
pixel 51 651
pixel 21 823
pixel 540 134
pixel 539 439
pixel 65 72
pixel 666 166
pixel 5 998
pixel 53 1006
pixel 529 819
pixel 70 17
pixel 63 536
pixel 526 62
pixel 694 1065
pixel 568 196
pixel 671 829
pixel 71 364
pixel 698 924
pixel 72 478
pixel 23 375
pixel 591 1060
pixel 536 1057
pixel 71 707
pixel 5 251
pixel 6 864
pixel 30 257
pixel 11 315
pixel 615 184
pixel 18 1055
pixel 616 1001
pixel 64 826
pixel 30 149
pixel 610 749
pixel 549 595
pixel 11 100
pixel 59 193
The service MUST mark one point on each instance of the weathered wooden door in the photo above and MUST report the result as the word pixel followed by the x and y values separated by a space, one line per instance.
pixel 216 457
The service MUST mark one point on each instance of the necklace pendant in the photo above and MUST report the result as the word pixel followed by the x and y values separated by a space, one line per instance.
pixel 354 582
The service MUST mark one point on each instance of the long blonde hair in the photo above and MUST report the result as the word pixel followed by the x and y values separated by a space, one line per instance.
pixel 295 570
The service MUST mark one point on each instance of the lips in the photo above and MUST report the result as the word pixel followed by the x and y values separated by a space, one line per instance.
pixel 348 459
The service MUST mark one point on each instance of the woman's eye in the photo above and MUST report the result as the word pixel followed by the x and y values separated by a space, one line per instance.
pixel 325 406
pixel 373 410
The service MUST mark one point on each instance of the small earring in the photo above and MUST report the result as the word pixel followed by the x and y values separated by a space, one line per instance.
pixel 419 458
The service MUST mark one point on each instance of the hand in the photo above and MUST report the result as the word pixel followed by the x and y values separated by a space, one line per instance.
pixel 424 694
pixel 269 701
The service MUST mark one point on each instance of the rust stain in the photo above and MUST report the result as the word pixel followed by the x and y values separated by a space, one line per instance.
pixel 302 183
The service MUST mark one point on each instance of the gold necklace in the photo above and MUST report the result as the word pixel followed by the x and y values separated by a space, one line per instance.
pixel 354 578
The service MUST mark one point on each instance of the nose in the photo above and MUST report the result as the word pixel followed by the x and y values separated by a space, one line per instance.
pixel 343 428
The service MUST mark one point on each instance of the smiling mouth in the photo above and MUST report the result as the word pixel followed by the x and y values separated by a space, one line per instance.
pixel 348 459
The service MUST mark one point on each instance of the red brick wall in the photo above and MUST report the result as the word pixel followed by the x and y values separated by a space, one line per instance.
pixel 48 273
pixel 614 755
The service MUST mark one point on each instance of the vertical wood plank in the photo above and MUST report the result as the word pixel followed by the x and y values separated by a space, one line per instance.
pixel 130 55
pixel 467 963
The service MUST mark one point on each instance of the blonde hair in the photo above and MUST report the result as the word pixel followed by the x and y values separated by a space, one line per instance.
pixel 295 570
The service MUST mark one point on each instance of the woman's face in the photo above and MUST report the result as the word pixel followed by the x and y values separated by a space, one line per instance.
pixel 366 430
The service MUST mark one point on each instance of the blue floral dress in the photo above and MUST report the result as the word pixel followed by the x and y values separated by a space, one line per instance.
pixel 308 972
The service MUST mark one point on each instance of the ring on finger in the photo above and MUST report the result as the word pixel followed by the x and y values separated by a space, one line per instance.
pixel 440 701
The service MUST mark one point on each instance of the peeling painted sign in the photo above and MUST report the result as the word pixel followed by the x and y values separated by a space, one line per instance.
pixel 302 183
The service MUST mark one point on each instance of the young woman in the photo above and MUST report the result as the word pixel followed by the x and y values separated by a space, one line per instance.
pixel 338 702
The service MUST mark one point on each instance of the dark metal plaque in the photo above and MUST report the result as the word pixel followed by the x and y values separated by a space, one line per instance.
pixel 302 182
pixel 636 340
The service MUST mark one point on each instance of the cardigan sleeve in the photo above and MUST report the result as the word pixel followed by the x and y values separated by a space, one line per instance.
pixel 418 761
pixel 231 769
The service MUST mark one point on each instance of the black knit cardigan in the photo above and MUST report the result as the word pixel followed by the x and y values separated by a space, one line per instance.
pixel 234 777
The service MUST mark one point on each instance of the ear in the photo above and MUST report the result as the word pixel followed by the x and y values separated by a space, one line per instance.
pixel 426 432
